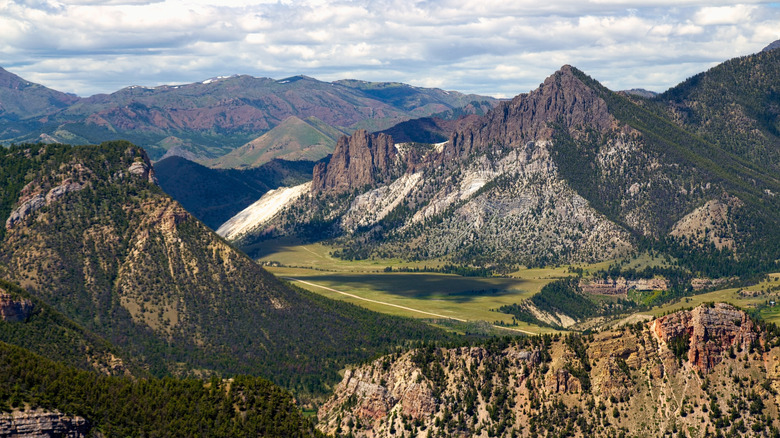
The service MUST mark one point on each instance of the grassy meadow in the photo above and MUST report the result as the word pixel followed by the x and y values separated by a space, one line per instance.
pixel 464 300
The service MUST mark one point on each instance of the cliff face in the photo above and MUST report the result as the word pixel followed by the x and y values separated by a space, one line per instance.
pixel 562 98
pixel 42 424
pixel 709 332
pixel 358 161
pixel 14 310
pixel 631 380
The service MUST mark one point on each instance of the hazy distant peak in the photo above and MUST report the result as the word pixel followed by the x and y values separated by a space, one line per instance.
pixel 773 46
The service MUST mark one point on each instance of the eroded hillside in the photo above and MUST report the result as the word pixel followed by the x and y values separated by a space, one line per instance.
pixel 705 372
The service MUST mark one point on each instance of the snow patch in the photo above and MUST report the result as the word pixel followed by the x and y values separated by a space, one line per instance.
pixel 261 211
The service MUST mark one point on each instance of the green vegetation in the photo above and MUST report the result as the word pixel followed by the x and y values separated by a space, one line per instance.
pixel 50 334
pixel 126 262
pixel 122 406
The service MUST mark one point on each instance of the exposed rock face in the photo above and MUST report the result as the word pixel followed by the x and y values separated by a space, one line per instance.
pixel 42 424
pixel 562 97
pixel 27 208
pixel 710 223
pixel 622 380
pixel 711 331
pixel 621 286
pixel 14 310
pixel 358 161
pixel 143 169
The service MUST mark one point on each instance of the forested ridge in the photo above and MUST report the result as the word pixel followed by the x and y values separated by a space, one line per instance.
pixel 126 262
pixel 122 406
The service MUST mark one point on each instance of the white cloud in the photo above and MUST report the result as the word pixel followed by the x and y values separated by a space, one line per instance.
pixel 723 15
pixel 488 46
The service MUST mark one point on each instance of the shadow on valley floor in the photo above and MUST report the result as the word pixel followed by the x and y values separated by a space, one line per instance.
pixel 423 285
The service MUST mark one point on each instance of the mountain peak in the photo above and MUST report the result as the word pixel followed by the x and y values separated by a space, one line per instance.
pixel 772 46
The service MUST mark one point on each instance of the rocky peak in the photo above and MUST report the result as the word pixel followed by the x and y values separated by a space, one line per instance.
pixel 709 330
pixel 359 160
pixel 563 97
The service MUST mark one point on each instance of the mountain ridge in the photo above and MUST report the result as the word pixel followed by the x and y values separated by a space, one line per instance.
pixel 212 117
pixel 606 172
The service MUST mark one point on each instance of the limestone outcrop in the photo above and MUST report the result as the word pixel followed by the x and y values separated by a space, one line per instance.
pixel 42 424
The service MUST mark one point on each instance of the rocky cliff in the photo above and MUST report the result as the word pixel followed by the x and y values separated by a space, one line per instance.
pixel 360 160
pixel 700 371
pixel 42 424
pixel 14 310
pixel 562 98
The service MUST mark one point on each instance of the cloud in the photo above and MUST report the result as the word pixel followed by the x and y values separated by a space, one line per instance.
pixel 489 46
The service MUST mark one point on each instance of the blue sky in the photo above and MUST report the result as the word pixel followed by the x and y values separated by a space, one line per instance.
pixel 493 47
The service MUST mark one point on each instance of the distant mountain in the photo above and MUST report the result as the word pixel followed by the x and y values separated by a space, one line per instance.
pixel 21 99
pixel 215 195
pixel 571 172
pixel 427 129
pixel 292 139
pixel 641 92
pixel 88 232
pixel 209 119
pixel 772 46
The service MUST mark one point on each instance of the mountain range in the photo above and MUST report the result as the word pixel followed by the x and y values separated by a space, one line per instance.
pixel 209 119
pixel 123 314
pixel 570 172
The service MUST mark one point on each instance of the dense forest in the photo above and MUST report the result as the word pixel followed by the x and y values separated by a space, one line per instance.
pixel 122 406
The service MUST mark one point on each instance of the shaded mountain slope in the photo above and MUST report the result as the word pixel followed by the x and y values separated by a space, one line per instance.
pixel 93 236
pixel 215 195
pixel 47 398
pixel 735 105
pixel 34 325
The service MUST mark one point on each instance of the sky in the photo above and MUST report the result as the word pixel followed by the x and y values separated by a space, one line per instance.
pixel 491 47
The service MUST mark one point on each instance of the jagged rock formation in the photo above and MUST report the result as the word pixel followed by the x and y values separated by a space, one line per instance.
pixel 14 310
pixel 710 331
pixel 700 371
pixel 42 424
pixel 360 160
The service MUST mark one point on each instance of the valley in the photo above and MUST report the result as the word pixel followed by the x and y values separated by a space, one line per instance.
pixel 574 261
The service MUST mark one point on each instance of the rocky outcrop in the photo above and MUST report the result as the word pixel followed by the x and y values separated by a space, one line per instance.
pixel 25 209
pixel 562 97
pixel 143 169
pixel 42 424
pixel 621 286
pixel 710 331
pixel 358 161
pixel 627 379
pixel 14 310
